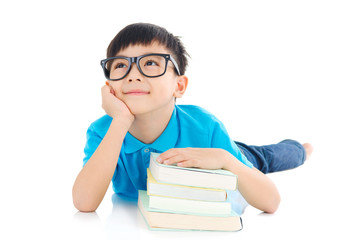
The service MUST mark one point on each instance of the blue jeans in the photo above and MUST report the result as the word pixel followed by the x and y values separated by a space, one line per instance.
pixel 282 156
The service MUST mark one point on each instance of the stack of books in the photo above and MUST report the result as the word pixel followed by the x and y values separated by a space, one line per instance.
pixel 188 198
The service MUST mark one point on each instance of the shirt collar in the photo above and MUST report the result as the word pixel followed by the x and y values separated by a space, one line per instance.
pixel 166 141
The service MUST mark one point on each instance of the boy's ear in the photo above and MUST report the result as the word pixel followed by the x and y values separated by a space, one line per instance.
pixel 181 86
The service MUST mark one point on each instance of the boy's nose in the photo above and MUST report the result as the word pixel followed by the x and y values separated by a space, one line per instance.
pixel 134 74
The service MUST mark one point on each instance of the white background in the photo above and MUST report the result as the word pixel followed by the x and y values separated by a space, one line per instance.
pixel 269 70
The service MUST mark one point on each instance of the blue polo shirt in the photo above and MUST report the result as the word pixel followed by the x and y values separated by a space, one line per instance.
pixel 189 126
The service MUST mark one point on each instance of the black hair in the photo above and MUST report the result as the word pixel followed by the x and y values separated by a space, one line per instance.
pixel 146 34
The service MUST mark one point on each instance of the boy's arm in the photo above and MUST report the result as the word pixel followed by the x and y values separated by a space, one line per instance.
pixel 93 180
pixel 257 189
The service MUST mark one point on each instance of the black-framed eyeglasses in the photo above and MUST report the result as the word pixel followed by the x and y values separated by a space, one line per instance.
pixel 150 65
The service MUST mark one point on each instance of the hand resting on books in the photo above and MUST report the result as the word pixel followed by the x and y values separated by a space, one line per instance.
pixel 257 189
pixel 205 158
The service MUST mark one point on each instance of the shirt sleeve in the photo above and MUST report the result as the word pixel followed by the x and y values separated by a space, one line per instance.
pixel 93 141
pixel 221 139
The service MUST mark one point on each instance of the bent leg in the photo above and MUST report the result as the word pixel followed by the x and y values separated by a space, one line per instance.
pixel 282 156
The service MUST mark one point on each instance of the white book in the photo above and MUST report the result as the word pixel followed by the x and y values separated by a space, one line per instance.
pixel 219 179
pixel 184 192
pixel 186 206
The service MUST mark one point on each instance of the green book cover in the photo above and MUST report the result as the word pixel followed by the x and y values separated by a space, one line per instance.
pixel 234 220
pixel 145 199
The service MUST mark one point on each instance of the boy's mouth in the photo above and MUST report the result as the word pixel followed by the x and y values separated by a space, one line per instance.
pixel 137 92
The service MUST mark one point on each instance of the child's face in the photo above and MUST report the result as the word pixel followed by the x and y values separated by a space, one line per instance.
pixel 143 94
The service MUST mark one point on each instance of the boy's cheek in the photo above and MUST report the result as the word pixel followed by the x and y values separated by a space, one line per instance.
pixel 124 99
pixel 116 86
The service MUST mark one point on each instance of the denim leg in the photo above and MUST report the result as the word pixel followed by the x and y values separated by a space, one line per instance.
pixel 282 156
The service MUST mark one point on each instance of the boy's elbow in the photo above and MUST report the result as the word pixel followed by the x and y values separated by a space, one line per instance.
pixel 271 209
pixel 273 205
pixel 86 209
pixel 85 206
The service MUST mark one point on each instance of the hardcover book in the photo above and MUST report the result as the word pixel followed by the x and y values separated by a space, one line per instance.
pixel 161 220
pixel 156 188
pixel 217 179
pixel 186 206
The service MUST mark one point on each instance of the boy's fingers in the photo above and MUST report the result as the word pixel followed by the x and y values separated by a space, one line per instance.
pixel 109 89
pixel 164 155
pixel 179 156
pixel 174 159
pixel 186 164
pixel 105 88
pixel 169 156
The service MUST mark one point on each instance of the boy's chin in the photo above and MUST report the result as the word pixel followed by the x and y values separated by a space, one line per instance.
pixel 137 110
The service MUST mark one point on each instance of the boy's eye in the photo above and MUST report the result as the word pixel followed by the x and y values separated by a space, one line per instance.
pixel 121 65
pixel 151 63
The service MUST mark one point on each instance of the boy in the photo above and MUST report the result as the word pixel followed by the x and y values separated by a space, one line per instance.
pixel 145 68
